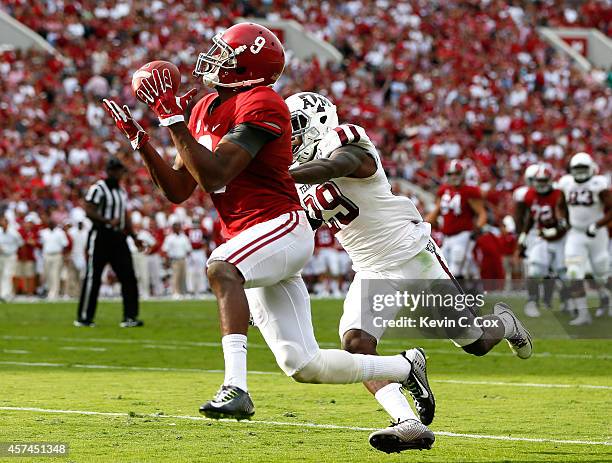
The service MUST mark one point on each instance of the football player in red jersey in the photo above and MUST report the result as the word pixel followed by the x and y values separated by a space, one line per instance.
pixel 547 211
pixel 463 215
pixel 237 146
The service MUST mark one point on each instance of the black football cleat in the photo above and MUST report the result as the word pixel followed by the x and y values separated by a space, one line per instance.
pixel 418 385
pixel 131 323
pixel 402 435
pixel 229 402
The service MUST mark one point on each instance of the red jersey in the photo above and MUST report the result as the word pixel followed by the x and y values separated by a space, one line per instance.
pixel 324 238
pixel 543 209
pixel 196 238
pixel 457 215
pixel 264 190
pixel 159 236
pixel 488 254
pixel 30 243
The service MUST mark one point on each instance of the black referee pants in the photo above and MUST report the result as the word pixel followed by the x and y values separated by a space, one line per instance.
pixel 105 246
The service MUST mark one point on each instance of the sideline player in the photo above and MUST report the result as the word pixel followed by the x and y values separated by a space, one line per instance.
pixel 237 147
pixel 546 211
pixel 341 182
pixel 588 196
pixel 463 215
pixel 520 215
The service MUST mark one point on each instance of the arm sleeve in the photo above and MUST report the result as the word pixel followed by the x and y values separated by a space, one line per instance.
pixel 249 137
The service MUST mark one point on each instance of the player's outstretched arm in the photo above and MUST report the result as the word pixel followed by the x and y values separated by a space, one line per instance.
pixel 177 185
pixel 212 170
pixel 346 161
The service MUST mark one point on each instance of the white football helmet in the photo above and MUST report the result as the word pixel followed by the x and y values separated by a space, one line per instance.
pixel 543 179
pixel 530 173
pixel 582 167
pixel 312 116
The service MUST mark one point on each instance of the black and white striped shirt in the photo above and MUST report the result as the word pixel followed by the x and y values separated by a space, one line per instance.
pixel 111 203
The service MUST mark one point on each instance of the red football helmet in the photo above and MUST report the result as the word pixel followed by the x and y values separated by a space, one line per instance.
pixel 244 55
pixel 543 179
pixel 455 172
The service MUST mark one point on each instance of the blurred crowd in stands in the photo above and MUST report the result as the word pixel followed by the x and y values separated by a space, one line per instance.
pixel 429 80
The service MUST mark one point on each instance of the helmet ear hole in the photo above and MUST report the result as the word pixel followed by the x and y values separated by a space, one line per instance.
pixel 323 119
pixel 240 70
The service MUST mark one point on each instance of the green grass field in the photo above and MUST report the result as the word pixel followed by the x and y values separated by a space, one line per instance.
pixel 118 395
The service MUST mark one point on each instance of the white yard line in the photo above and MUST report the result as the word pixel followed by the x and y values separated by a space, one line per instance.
pixel 123 367
pixel 149 342
pixel 170 344
pixel 91 349
pixel 504 383
pixel 309 425
pixel 255 372
pixel 15 351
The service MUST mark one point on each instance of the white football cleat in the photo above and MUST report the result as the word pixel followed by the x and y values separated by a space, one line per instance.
pixel 520 339
pixel 583 318
pixel 531 309
pixel 403 435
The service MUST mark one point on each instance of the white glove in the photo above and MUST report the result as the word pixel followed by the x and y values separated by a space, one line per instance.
pixel 549 232
pixel 592 230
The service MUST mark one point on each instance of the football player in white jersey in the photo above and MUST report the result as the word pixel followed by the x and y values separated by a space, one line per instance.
pixel 342 183
pixel 588 196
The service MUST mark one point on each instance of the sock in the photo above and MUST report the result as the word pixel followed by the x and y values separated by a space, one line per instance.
pixel 508 322
pixel 235 355
pixel 390 397
pixel 581 304
pixel 335 366
pixel 384 367
pixel 604 297
pixel 533 290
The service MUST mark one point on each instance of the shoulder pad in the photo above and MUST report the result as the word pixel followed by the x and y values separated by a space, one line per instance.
pixel 600 182
pixel 564 182
pixel 519 194
pixel 345 134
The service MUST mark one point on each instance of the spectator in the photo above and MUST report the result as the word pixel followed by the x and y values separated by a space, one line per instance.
pixel 26 266
pixel 140 256
pixel 10 241
pixel 197 282
pixel 177 247
pixel 77 233
pixel 54 241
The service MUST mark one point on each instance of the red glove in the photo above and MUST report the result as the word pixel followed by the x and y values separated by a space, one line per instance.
pixel 156 91
pixel 126 123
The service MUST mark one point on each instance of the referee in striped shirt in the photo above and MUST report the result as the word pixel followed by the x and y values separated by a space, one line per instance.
pixel 107 244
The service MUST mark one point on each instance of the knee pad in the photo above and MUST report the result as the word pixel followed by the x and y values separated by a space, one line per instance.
pixel 535 270
pixel 330 366
pixel 575 267
pixel 601 268
pixel 291 358
pixel 311 372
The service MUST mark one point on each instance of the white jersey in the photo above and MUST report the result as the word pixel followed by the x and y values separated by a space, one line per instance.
pixel 583 199
pixel 376 228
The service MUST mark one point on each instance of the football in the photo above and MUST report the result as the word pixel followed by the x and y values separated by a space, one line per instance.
pixel 146 70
